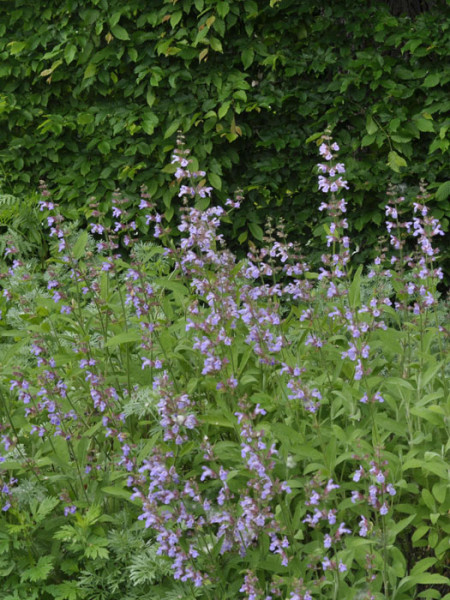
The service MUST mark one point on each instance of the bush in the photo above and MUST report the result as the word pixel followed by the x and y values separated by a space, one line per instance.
pixel 224 429
pixel 93 94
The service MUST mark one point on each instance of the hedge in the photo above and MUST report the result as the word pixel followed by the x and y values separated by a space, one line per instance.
pixel 93 93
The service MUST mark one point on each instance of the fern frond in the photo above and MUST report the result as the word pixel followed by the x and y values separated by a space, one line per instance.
pixel 148 567
pixel 142 403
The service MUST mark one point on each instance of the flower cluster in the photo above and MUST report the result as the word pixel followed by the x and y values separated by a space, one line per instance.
pixel 377 493
pixel 319 499
pixel 7 492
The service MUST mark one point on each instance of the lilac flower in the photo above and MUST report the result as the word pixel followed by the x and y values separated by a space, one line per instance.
pixel 365 351
pixel 97 228
pixel 250 586
pixel 314 519
pixel 356 496
pixel 384 509
pixel 332 290
pixel 390 489
pixel 331 486
pixel 342 568
pixel 359 372
pixel 342 529
pixel 363 526
pixel 331 516
pixel 351 353
pixel 84 362
pixel 7 443
pixel 358 474
pixel 324 184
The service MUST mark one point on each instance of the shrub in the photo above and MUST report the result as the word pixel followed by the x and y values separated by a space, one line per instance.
pixel 93 94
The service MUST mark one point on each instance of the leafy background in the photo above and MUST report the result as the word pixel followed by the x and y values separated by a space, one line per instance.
pixel 92 94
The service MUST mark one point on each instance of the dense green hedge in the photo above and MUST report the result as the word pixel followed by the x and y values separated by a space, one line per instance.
pixel 93 92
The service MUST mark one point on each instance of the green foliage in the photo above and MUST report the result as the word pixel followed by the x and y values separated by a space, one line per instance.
pixel 93 94
pixel 81 412
pixel 20 221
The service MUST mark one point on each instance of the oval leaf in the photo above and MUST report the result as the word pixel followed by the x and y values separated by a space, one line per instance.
pixel 120 33
pixel 126 337
pixel 80 245
pixel 395 161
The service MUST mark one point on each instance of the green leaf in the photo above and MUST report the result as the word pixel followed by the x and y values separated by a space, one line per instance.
pixel 174 286
pixel 419 533
pixel 215 181
pixel 398 561
pixel 222 8
pixel 150 97
pixel 371 126
pixel 256 231
pixel 412 45
pixel 443 191
pixel 215 417
pixel 115 18
pixel 69 590
pixel 398 527
pixel 60 456
pixel 69 53
pixel 215 44
pixel 440 491
pixel 313 137
pixel 120 33
pixel 40 571
pixel 104 147
pixel 117 492
pixel 80 245
pixel 144 453
pixel 367 140
pixel 45 508
pixel 428 499
pixel 47 72
pixel 424 125
pixel 175 18
pixel 11 465
pixel 85 118
pixel 247 57
pixel 172 128
pixel 422 579
pixel 431 80
pixel 149 122
pixel 395 161
pixel 394 124
pixel 223 109
pixel 354 293
pixel 90 71
pixel 443 548
pixel 425 378
pixel 16 47
pixel 439 469
pixel 127 337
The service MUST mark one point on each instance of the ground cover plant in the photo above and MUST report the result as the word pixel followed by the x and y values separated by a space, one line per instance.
pixel 176 423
